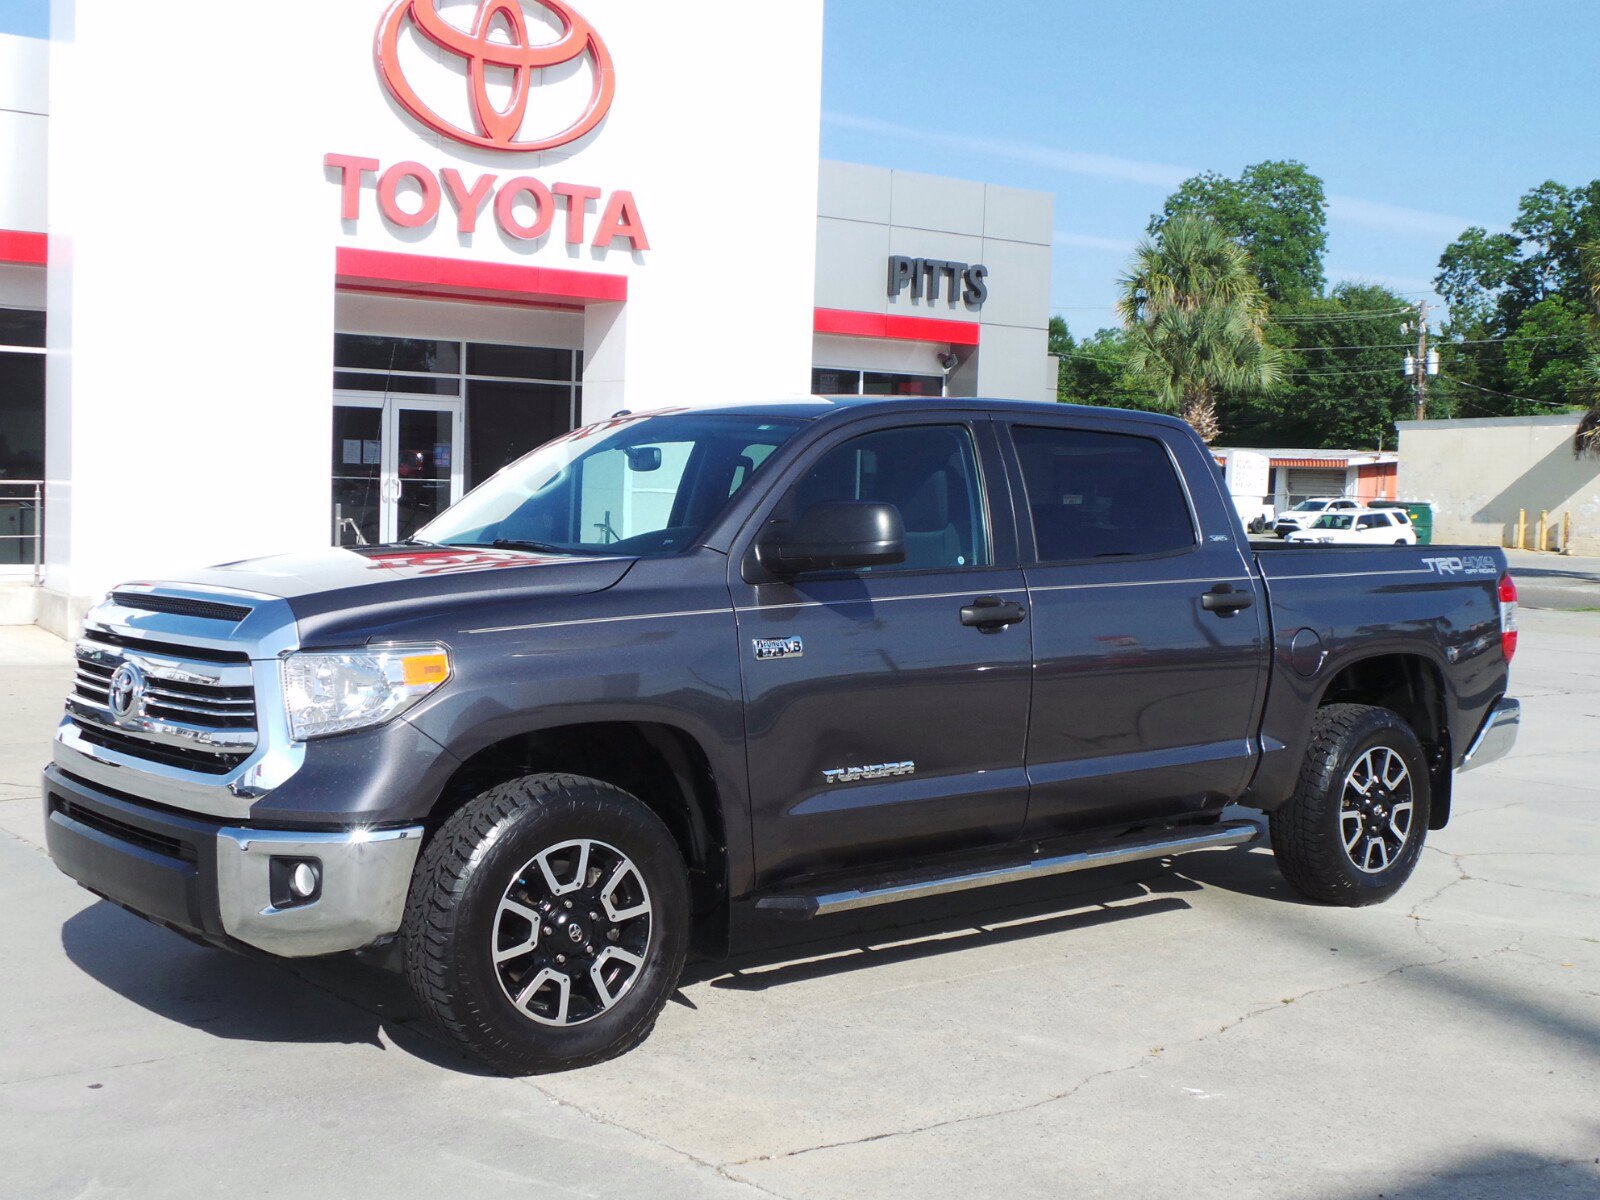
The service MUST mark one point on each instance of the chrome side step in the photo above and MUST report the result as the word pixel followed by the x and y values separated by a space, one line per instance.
pixel 805 905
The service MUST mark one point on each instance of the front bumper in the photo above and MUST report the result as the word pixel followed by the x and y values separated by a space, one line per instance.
pixel 214 881
pixel 1497 736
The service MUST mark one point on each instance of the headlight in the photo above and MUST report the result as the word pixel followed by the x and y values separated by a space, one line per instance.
pixel 335 693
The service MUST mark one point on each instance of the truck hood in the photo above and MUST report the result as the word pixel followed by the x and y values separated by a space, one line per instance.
pixel 340 591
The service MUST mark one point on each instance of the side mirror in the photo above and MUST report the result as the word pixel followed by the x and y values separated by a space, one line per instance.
pixel 835 535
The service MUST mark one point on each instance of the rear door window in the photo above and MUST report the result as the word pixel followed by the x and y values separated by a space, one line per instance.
pixel 1101 495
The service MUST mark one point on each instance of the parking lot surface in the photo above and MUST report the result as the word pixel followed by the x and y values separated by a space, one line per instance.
pixel 1186 1029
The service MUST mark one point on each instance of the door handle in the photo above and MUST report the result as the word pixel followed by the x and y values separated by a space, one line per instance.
pixel 992 614
pixel 1225 600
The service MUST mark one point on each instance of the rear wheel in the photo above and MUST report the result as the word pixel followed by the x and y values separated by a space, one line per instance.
pixel 547 923
pixel 1353 831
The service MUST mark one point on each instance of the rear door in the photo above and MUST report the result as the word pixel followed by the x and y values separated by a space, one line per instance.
pixel 1146 693
pixel 879 726
pixel 1375 527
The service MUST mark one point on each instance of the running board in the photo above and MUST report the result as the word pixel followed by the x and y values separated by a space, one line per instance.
pixel 798 905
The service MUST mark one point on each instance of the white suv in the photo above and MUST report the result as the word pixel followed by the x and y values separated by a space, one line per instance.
pixel 1381 526
pixel 1307 512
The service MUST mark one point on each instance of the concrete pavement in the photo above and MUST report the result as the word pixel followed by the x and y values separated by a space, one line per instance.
pixel 1186 1031
pixel 1556 580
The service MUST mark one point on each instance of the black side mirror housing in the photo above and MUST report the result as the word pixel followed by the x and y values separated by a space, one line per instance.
pixel 835 535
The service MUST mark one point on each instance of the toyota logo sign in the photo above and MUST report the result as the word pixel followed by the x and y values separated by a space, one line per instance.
pixel 498 39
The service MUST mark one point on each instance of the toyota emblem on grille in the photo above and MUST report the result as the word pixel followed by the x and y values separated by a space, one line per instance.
pixel 126 691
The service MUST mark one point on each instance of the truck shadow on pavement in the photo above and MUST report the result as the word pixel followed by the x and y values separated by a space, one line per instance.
pixel 341 999
pixel 338 999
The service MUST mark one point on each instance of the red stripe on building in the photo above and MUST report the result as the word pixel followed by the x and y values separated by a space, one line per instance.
pixel 454 278
pixel 17 246
pixel 904 329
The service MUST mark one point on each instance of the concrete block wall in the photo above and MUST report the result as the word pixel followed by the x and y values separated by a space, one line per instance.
pixel 1480 473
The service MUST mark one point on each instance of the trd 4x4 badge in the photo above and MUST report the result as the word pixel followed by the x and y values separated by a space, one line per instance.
pixel 778 647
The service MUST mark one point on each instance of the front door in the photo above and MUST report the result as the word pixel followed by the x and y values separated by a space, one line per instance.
pixel 1146 692
pixel 879 725
pixel 396 465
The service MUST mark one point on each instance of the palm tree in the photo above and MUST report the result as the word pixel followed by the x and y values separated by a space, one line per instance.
pixel 1196 313
pixel 1586 442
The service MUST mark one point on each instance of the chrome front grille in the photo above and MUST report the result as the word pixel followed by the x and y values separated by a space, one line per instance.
pixel 191 707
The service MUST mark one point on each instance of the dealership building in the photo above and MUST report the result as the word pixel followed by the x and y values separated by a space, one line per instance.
pixel 273 279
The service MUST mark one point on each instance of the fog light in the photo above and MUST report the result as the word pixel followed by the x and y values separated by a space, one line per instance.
pixel 294 881
pixel 303 880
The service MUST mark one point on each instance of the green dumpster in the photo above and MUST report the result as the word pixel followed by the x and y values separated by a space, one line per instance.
pixel 1420 512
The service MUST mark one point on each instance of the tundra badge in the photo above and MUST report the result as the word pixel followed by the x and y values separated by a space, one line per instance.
pixel 874 771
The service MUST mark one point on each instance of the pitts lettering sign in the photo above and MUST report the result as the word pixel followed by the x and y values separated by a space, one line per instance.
pixel 926 279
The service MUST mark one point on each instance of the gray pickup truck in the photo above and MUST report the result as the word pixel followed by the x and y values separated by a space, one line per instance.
pixel 675 678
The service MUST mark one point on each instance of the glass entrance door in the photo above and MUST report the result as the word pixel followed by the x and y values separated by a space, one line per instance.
pixel 396 465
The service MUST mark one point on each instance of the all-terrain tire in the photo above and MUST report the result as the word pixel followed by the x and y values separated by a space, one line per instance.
pixel 1310 832
pixel 453 920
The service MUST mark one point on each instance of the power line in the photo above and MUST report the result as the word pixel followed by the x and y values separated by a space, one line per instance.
pixel 1508 395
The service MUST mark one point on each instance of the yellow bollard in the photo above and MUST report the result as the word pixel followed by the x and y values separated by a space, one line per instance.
pixel 1544 519
pixel 1522 529
pixel 1566 532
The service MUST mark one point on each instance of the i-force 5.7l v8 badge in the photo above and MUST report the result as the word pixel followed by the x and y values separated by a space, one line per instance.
pixel 778 647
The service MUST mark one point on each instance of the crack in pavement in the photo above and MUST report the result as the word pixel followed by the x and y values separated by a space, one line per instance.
pixel 719 1169
pixel 1143 1060
pixel 96 1069
pixel 1467 877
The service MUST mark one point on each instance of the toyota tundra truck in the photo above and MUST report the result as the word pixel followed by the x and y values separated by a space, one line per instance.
pixel 676 677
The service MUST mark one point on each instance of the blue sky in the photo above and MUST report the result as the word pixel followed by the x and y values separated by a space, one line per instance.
pixel 1421 117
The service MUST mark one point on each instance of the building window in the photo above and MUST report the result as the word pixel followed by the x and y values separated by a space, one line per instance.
pixel 21 432
pixel 842 381
pixel 517 397
pixel 420 421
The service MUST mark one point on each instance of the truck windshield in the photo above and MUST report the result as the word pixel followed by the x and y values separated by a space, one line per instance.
pixel 1333 521
pixel 637 485
pixel 1310 506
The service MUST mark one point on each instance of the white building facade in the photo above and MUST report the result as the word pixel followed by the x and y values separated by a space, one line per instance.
pixel 304 277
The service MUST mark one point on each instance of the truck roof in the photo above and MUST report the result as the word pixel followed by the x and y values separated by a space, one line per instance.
pixel 814 407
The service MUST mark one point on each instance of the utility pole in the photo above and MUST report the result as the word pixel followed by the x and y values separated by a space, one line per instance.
pixel 1423 362
pixel 1420 378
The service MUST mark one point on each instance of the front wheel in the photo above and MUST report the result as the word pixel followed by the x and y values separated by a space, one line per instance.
pixel 1353 831
pixel 547 923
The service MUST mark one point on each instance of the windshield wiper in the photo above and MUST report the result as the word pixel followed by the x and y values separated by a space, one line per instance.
pixel 525 544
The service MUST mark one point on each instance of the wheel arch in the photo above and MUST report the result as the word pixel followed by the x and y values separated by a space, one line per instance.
pixel 663 765
pixel 1412 686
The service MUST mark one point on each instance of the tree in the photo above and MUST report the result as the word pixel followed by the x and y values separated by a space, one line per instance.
pixel 1276 210
pixel 1517 332
pixel 1586 441
pixel 1196 316
pixel 1342 384
pixel 1096 370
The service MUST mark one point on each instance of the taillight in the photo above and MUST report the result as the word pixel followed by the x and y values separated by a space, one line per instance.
pixel 1508 616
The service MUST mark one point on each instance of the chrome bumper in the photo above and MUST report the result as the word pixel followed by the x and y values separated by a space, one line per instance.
pixel 365 875
pixel 1496 738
